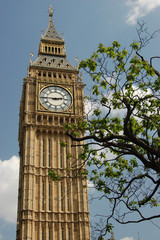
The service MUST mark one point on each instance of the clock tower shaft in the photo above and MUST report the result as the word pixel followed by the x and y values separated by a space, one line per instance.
pixel 52 95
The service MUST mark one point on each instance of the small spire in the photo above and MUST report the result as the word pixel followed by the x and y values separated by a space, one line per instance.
pixel 112 236
pixel 63 36
pixel 81 78
pixel 51 31
pixel 76 61
pixel 42 32
pixel 64 50
pixel 31 54
pixel 50 11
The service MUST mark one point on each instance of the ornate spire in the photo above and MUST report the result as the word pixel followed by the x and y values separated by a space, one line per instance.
pixel 51 33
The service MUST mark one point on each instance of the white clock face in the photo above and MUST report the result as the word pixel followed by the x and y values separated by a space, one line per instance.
pixel 55 98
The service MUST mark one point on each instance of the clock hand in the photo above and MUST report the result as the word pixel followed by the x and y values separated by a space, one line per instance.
pixel 53 98
pixel 56 98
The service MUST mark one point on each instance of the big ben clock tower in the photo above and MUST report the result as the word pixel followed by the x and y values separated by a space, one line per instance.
pixel 52 96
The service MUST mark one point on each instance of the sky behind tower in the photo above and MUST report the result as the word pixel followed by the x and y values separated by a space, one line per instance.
pixel 84 23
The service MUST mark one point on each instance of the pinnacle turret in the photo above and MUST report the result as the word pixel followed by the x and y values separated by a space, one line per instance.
pixel 112 236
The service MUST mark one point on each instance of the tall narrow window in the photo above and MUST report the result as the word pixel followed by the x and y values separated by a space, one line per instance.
pixel 49 234
pixel 49 152
pixel 69 237
pixel 54 75
pixel 43 152
pixel 49 203
pixel 43 196
pixel 68 189
pixel 62 234
pixel 42 234
pixel 61 158
pixel 61 196
pixel 66 155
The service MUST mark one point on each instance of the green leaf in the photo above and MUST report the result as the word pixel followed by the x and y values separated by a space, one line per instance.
pixel 135 45
pixel 52 175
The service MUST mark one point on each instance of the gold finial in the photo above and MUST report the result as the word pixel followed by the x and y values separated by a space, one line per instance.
pixel 31 57
pixel 112 236
pixel 63 36
pixel 50 10
pixel 42 31
pixel 64 50
pixel 76 61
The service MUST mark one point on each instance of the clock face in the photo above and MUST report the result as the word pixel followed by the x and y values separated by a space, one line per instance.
pixel 55 98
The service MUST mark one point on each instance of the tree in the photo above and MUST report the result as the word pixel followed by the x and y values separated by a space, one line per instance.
pixel 122 131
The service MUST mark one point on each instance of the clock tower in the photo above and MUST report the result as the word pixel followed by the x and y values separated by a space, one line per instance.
pixel 52 96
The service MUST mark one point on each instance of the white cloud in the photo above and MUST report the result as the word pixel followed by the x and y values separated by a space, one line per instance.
pixel 140 8
pixel 90 107
pixel 9 189
pixel 91 188
pixel 90 184
pixel 127 238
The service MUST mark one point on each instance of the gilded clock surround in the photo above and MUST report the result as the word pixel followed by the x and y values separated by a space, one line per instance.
pixel 68 88
pixel 50 210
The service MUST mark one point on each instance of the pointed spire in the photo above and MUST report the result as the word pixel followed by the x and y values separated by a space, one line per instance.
pixel 42 31
pixel 31 57
pixel 63 36
pixel 76 61
pixel 112 236
pixel 51 33
pixel 81 78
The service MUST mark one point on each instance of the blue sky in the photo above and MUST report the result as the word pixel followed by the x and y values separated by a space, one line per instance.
pixel 85 23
